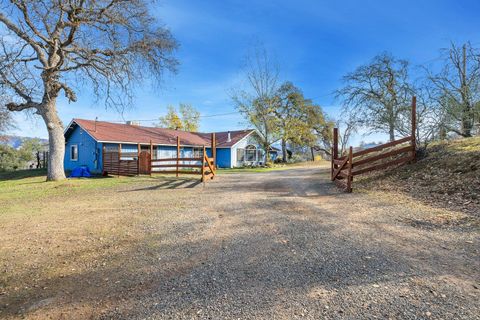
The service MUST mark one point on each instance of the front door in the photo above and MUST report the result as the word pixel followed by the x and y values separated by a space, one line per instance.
pixel 144 163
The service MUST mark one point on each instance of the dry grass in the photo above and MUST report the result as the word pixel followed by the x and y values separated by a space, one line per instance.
pixel 448 176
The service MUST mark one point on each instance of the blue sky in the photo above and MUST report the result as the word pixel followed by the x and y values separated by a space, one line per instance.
pixel 314 42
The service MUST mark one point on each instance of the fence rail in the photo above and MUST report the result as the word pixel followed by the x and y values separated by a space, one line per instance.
pixel 394 153
pixel 143 162
pixel 206 166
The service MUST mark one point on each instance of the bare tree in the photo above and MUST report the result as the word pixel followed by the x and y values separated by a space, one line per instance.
pixel 346 128
pixel 50 46
pixel 378 93
pixel 258 100
pixel 457 88
pixel 5 120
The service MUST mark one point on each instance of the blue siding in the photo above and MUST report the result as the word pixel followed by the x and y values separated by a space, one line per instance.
pixel 224 158
pixel 89 151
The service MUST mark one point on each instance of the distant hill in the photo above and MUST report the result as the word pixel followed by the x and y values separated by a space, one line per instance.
pixel 16 141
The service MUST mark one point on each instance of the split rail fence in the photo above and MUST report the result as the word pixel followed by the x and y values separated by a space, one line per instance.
pixel 394 153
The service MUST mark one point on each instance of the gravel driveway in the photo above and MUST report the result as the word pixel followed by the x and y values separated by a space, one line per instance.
pixel 287 244
pixel 277 245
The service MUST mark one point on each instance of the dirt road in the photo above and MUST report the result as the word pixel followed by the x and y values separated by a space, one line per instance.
pixel 277 245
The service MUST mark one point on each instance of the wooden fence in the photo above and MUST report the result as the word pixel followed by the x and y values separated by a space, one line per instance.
pixel 134 163
pixel 120 164
pixel 394 153
pixel 202 165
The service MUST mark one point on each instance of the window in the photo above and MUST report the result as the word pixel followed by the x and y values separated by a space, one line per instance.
pixel 197 152
pixel 240 155
pixel 74 152
pixel 251 153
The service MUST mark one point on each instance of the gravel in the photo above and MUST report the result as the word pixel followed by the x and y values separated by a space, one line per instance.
pixel 288 245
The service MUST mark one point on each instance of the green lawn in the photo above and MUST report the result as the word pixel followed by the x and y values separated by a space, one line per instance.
pixel 275 168
pixel 30 184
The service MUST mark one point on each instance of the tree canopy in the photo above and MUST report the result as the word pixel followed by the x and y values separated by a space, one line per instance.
pixel 187 118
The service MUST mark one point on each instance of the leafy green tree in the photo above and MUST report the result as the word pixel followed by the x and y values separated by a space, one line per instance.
pixel 30 150
pixel 10 158
pixel 299 120
pixel 187 118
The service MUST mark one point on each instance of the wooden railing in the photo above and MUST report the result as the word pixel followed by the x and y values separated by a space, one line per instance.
pixel 134 163
pixel 394 153
pixel 202 165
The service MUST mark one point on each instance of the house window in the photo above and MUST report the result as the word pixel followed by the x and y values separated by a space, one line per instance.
pixel 251 153
pixel 197 152
pixel 240 155
pixel 74 152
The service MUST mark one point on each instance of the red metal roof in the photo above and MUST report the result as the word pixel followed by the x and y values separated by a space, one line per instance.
pixel 125 133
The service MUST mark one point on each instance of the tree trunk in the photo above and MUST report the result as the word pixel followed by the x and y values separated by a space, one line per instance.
pixel 284 150
pixel 467 123
pixel 56 142
pixel 313 154
pixel 391 132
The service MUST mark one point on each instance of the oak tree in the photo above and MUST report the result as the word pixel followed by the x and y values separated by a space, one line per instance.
pixel 49 48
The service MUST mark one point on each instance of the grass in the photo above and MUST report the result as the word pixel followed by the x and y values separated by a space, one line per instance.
pixel 448 176
pixel 276 167
pixel 22 185
pixel 18 186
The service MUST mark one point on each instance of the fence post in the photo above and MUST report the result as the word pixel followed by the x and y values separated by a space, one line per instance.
pixel 139 147
pixel 331 166
pixel 214 149
pixel 151 157
pixel 414 127
pixel 335 143
pixel 119 156
pixel 178 153
pixel 350 165
pixel 203 164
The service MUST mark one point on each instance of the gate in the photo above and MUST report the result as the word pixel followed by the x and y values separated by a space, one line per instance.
pixel 394 153
pixel 144 166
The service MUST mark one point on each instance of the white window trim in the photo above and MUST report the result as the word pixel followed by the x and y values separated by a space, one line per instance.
pixel 76 146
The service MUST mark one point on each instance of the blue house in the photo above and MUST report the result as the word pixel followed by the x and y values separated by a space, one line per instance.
pixel 87 141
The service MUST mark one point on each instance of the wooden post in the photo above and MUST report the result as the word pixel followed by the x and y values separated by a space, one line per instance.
pixel 178 153
pixel 214 149
pixel 414 128
pixel 350 165
pixel 139 147
pixel 119 156
pixel 203 165
pixel 335 143
pixel 332 167
pixel 151 157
